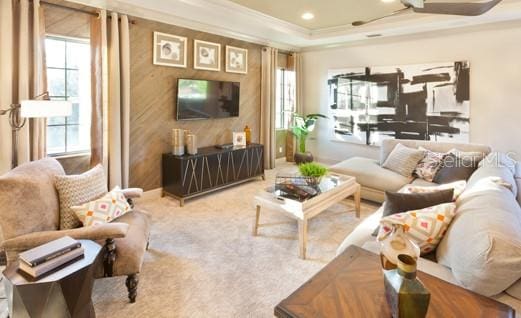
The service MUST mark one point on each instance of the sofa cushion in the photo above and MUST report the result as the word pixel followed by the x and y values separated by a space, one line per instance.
pixel 423 183
pixel 497 168
pixel 79 189
pixel 29 199
pixel 403 160
pixel 370 174
pixel 515 290
pixel 425 227
pixel 389 144
pixel 455 168
pixel 398 202
pixel 458 187
pixel 429 165
pixel 483 244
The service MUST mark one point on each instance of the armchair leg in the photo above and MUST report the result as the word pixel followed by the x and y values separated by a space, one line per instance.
pixel 110 257
pixel 132 281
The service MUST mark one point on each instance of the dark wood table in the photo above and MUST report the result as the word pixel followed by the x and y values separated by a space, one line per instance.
pixel 64 292
pixel 352 286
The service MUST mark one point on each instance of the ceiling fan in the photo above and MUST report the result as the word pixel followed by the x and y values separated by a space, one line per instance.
pixel 452 8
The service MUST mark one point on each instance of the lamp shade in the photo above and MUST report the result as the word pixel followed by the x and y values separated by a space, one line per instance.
pixel 45 108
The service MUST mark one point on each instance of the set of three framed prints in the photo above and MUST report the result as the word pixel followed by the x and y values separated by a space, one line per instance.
pixel 171 50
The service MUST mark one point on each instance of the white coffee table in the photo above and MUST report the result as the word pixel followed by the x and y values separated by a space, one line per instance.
pixel 334 189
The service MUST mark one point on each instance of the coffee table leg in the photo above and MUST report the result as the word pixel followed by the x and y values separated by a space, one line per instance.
pixel 256 222
pixel 302 238
pixel 357 200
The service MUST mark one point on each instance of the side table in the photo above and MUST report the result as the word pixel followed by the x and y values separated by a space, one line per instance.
pixel 352 285
pixel 65 292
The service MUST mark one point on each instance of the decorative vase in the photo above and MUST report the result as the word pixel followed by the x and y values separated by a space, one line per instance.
pixel 405 294
pixel 191 144
pixel 186 133
pixel 178 142
pixel 313 181
pixel 393 244
pixel 247 132
pixel 303 157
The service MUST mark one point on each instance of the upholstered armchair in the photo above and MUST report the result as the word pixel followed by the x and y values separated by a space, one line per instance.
pixel 30 216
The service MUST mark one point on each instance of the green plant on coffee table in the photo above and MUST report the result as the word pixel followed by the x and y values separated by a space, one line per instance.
pixel 313 172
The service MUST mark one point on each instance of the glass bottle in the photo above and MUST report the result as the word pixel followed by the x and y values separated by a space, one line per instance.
pixel 247 132
pixel 405 294
pixel 394 244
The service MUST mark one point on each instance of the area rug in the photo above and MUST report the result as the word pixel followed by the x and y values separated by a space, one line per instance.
pixel 204 262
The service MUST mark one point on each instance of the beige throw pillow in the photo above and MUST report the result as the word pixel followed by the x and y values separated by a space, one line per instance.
pixel 103 210
pixel 76 190
pixel 403 160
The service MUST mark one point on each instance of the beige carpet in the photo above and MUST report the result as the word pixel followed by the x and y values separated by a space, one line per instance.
pixel 204 262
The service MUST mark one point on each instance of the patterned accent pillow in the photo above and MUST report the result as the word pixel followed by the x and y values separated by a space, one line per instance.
pixel 458 186
pixel 103 210
pixel 79 189
pixel 429 165
pixel 425 227
pixel 403 160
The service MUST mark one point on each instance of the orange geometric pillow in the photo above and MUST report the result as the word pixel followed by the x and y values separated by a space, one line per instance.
pixel 103 210
pixel 425 227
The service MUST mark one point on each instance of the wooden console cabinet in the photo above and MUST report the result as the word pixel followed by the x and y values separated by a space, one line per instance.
pixel 211 169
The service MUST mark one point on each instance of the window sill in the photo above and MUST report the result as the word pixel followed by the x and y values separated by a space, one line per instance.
pixel 70 155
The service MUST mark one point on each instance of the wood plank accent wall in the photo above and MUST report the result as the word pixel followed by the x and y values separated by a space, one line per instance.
pixel 153 100
pixel 154 91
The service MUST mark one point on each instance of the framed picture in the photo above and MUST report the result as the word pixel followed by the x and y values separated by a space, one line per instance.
pixel 236 60
pixel 239 139
pixel 429 101
pixel 169 50
pixel 207 56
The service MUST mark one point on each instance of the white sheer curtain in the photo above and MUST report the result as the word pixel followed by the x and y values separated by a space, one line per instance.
pixel 22 76
pixel 268 98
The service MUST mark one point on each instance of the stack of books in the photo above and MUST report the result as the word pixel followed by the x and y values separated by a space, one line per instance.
pixel 47 257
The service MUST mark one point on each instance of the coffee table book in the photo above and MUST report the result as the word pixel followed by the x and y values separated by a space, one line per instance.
pixel 48 251
pixel 49 265
pixel 352 285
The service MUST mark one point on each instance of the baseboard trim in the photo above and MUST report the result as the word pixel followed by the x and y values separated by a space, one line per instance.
pixel 152 194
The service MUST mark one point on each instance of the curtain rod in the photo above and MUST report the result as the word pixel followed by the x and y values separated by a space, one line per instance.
pixel 77 10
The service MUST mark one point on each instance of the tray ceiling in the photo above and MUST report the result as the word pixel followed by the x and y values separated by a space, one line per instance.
pixel 278 23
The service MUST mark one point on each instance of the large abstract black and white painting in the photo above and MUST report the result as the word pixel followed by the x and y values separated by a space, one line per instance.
pixel 422 102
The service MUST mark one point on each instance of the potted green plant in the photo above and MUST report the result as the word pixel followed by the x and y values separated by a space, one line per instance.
pixel 301 128
pixel 313 172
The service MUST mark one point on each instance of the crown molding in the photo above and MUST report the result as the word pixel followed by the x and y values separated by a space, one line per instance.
pixel 226 18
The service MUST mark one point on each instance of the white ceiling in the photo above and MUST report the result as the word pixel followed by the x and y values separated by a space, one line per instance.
pixel 278 23
pixel 328 13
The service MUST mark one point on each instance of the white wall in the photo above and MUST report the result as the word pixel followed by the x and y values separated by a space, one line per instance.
pixel 495 82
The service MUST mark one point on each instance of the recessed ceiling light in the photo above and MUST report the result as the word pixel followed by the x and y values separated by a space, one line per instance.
pixel 308 16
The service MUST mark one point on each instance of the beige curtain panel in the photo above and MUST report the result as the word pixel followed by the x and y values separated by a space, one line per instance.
pixel 298 67
pixel 268 97
pixel 22 76
pixel 111 96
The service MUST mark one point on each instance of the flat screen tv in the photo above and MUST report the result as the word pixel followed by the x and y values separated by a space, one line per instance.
pixel 203 99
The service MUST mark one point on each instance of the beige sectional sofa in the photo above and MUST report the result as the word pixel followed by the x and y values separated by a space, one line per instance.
pixel 482 248
pixel 375 179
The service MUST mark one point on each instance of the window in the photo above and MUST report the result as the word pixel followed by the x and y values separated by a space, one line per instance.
pixel 285 95
pixel 68 78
